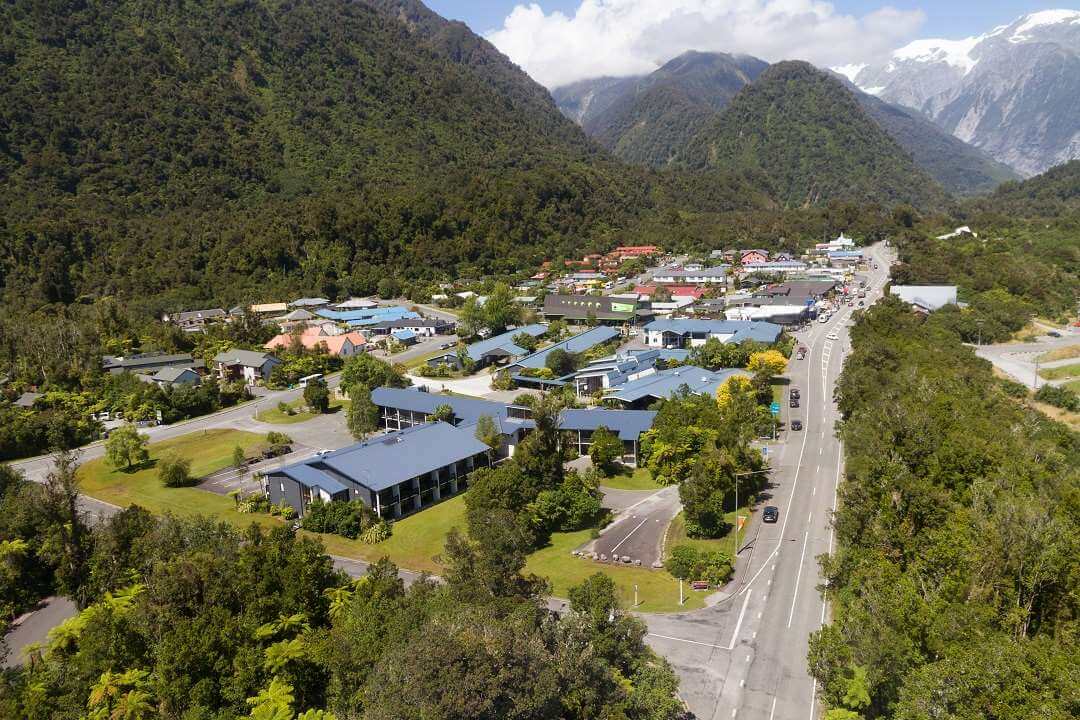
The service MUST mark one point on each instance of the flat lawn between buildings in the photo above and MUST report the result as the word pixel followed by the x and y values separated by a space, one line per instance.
pixel 1061 372
pixel 416 541
pixel 657 590
pixel 275 416
pixel 632 479
pixel 209 451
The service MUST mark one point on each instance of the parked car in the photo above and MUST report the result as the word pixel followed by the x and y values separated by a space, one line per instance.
pixel 796 425
pixel 771 514
pixel 1053 333
pixel 794 392
pixel 794 402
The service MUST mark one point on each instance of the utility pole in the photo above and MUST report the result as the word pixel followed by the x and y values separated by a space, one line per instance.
pixel 979 324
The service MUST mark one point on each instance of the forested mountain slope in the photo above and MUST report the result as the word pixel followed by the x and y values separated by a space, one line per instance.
pixel 961 168
pixel 655 116
pixel 1055 193
pixel 807 132
pixel 179 152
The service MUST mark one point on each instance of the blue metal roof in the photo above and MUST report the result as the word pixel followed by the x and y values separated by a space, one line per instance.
pixel 311 477
pixel 739 329
pixel 577 344
pixel 382 313
pixel 627 424
pixel 403 334
pixel 387 460
pixel 504 342
pixel 424 402
pixel 665 383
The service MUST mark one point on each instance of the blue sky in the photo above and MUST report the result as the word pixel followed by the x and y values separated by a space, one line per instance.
pixel 944 18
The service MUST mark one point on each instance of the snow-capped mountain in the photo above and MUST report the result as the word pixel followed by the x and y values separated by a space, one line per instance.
pixel 1014 92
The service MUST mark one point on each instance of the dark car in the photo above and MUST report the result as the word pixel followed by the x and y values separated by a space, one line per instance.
pixel 794 402
pixel 771 514
pixel 1053 333
pixel 796 424
pixel 794 392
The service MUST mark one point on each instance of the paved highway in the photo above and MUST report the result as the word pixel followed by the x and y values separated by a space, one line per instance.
pixel 746 655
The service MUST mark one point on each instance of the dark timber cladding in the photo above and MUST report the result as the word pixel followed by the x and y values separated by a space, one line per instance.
pixel 394 474
pixel 603 309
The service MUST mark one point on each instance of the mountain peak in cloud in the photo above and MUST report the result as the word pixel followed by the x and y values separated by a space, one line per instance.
pixel 632 37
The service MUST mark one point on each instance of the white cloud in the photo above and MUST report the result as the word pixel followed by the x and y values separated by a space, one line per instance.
pixel 627 37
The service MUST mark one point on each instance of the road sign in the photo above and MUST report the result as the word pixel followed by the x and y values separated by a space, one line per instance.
pixel 775 408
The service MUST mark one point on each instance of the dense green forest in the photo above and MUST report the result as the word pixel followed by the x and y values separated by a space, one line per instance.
pixel 954 585
pixel 808 134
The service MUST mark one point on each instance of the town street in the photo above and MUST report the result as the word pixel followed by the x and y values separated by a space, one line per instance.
pixel 745 656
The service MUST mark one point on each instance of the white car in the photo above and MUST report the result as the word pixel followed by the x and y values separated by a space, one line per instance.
pixel 833 336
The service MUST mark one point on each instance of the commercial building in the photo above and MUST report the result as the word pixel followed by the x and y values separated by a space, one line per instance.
pixel 775 267
pixel 404 408
pixel 925 298
pixel 394 474
pixel 683 333
pixel 663 384
pixel 706 276
pixel 607 310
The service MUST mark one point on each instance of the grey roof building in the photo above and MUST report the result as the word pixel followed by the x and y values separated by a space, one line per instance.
pixel 604 309
pixel 27 399
pixel 681 333
pixel 194 320
pixel 250 365
pixel 149 363
pixel 394 474
pixel 499 348
pixel 577 344
pixel 664 384
pixel 310 302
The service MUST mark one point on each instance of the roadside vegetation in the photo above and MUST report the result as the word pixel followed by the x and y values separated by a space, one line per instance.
pixel 958 542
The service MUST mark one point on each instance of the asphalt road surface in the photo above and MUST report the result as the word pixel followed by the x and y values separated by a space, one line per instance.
pixel 745 656
pixel 638 531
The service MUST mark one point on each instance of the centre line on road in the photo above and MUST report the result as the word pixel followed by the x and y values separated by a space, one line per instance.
pixel 692 642
pixel 629 534
pixel 798 577
pixel 738 623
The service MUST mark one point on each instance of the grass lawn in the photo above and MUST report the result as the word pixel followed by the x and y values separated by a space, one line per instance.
pixel 208 451
pixel 1062 353
pixel 416 541
pixel 639 479
pixel 676 534
pixel 657 590
pixel 1073 385
pixel 277 417
pixel 1062 371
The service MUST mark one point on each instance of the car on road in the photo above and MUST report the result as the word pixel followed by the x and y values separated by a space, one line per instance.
pixel 796 425
pixel 823 319
pixel 1053 333
pixel 794 402
pixel 794 392
pixel 770 514
pixel 861 303
pixel 833 336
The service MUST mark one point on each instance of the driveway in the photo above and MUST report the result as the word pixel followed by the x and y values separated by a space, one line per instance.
pixel 638 531
pixel 34 626
pixel 1018 360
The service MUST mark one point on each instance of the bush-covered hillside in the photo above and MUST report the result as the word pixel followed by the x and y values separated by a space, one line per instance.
pixel 807 132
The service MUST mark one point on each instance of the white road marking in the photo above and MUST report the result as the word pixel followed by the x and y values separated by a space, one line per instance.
pixel 798 577
pixel 773 710
pixel 629 534
pixel 738 623
pixel 692 642
pixel 813 699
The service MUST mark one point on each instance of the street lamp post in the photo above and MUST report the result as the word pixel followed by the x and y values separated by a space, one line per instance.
pixel 979 324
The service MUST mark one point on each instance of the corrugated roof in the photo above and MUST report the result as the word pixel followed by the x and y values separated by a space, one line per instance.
pixel 246 358
pixel 577 344
pixel 504 342
pixel 739 329
pixel 310 476
pixel 627 424
pixel 424 402
pixel 383 313
pixel 387 460
pixel 665 383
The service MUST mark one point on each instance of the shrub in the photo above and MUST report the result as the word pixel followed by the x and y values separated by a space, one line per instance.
pixel 285 409
pixel 253 503
pixel 688 563
pixel 1057 396
pixel 317 396
pixel 606 449
pixel 175 471
pixel 347 519
pixel 376 533
pixel 278 438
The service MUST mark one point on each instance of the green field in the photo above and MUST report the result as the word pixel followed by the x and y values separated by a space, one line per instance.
pixel 1061 372
pixel 416 542
pixel 274 416
pixel 209 451
pixel 657 590
pixel 638 479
